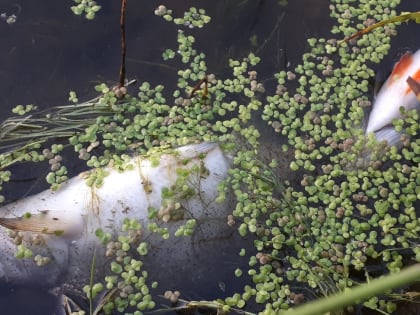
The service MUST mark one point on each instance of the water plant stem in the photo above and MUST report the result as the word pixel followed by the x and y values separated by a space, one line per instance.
pixel 91 279
pixel 415 16
pixel 360 293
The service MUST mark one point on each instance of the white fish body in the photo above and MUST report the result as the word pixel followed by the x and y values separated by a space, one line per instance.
pixel 62 224
pixel 395 93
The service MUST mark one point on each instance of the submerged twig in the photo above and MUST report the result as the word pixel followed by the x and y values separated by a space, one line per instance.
pixel 190 306
pixel 123 43
pixel 198 87
pixel 400 18
pixel 270 36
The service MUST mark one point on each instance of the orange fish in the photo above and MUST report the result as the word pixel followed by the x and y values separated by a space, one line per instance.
pixel 397 92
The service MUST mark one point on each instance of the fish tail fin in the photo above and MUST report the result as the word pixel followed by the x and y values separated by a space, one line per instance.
pixel 390 135
pixel 374 146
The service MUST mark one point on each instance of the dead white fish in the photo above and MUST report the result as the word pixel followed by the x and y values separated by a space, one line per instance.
pixel 59 227
pixel 396 92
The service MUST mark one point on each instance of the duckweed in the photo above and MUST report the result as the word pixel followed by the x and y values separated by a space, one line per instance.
pixel 349 206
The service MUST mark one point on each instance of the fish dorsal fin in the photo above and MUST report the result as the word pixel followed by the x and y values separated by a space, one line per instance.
pixel 401 67
pixel 45 222
pixel 196 150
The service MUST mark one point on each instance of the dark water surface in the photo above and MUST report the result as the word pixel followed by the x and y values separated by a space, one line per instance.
pixel 49 51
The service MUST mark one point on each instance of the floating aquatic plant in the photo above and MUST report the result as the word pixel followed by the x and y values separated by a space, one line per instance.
pixel 344 216
pixel 87 7
pixel 340 220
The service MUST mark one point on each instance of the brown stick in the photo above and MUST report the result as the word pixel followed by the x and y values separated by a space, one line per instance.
pixel 123 44
pixel 198 86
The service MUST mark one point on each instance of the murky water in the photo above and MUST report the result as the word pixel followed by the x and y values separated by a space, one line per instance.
pixel 48 51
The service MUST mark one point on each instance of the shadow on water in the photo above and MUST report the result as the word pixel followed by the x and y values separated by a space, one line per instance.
pixel 48 51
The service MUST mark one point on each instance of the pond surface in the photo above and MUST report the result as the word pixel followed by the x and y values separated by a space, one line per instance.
pixel 48 51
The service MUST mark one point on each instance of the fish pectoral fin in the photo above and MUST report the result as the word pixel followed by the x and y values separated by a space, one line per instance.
pixel 44 222
pixel 414 86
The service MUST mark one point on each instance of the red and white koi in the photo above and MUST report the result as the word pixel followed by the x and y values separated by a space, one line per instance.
pixel 396 92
